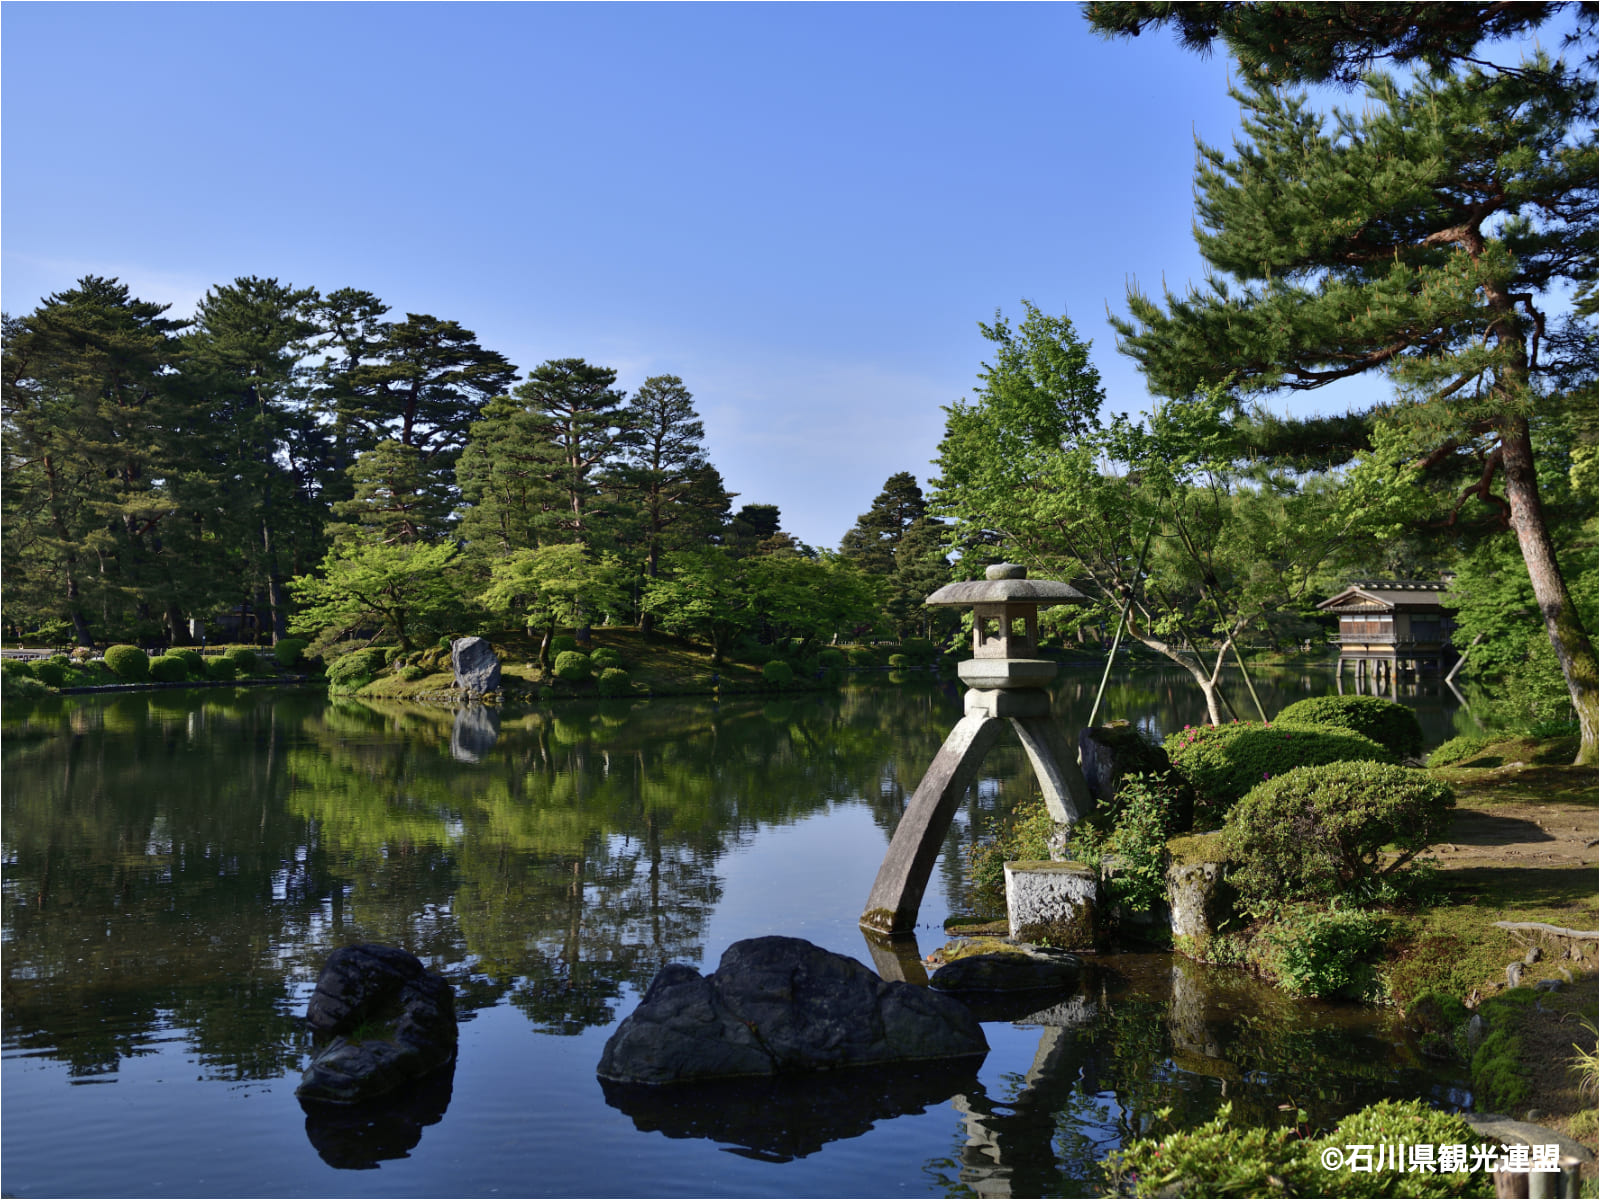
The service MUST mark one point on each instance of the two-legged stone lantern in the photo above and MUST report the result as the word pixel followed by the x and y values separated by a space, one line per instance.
pixel 1008 683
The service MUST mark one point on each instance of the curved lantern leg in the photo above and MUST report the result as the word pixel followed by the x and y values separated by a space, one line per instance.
pixel 1055 762
pixel 897 893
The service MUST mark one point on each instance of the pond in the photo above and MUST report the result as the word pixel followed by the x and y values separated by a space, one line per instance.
pixel 178 865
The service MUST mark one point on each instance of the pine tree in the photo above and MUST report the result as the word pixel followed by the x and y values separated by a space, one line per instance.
pixel 89 420
pixel 243 360
pixel 1424 238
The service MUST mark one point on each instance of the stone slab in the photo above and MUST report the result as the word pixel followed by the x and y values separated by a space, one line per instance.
pixel 992 673
pixel 1053 902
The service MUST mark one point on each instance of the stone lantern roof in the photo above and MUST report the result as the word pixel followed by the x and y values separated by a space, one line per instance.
pixel 1005 624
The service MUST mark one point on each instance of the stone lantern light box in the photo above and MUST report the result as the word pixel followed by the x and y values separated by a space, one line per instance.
pixel 1007 682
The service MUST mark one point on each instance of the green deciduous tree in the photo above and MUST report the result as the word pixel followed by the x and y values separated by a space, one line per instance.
pixel 549 585
pixel 1425 238
pixel 405 590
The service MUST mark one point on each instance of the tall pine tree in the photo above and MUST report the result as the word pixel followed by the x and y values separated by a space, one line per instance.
pixel 1425 238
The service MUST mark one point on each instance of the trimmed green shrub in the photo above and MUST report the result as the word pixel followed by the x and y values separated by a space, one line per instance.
pixel 613 681
pixel 50 673
pixel 245 660
pixel 777 673
pixel 1326 953
pixel 899 662
pixel 832 658
pixel 1223 762
pixel 920 649
pixel 1320 831
pixel 288 652
pixel 193 661
pixel 357 668
pixel 17 667
pixel 1458 749
pixel 563 642
pixel 573 666
pixel 1385 722
pixel 169 668
pixel 221 669
pixel 411 672
pixel 604 657
pixel 1410 1122
pixel 863 656
pixel 128 662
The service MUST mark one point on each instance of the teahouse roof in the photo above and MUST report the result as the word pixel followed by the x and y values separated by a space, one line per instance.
pixel 1388 596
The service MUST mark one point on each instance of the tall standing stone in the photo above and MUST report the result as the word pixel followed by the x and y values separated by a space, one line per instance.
pixel 476 665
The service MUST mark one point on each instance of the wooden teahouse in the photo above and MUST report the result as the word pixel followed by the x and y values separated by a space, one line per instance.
pixel 1392 627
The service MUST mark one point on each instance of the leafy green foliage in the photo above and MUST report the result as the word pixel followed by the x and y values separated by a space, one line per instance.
pixel 407 591
pixel 221 669
pixel 53 674
pixel 169 669
pixel 563 642
pixel 863 657
pixel 613 681
pixel 1319 831
pixel 245 660
pixel 1223 762
pixel 128 662
pixel 356 669
pixel 1326 953
pixel 288 652
pixel 1385 722
pixel 832 658
pixel 777 673
pixel 1134 827
pixel 900 662
pixel 1498 1075
pixel 1224 1158
pixel 1458 748
pixel 15 685
pixel 573 666
pixel 605 656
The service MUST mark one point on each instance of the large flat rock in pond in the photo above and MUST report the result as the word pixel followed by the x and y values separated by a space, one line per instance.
pixel 776 1005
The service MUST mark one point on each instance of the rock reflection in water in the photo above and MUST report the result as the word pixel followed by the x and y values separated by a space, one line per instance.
pixel 789 1117
pixel 474 733
pixel 357 1137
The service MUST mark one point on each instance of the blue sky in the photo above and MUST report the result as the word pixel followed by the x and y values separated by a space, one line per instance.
pixel 801 210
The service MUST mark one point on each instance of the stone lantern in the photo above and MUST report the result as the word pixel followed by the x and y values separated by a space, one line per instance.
pixel 1006 682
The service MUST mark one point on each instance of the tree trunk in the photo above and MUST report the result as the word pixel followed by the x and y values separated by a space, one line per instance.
pixel 275 597
pixel 1205 681
pixel 1572 646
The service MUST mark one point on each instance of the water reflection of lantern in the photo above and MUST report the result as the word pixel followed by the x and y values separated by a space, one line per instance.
pixel 1006 682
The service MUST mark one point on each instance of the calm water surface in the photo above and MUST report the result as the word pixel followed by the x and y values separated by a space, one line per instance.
pixel 177 866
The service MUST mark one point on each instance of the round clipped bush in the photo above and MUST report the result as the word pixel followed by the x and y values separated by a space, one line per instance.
pixel 573 666
pixel 831 658
pixel 777 673
pixel 50 673
pixel 193 661
pixel 1318 831
pixel 1458 749
pixel 562 643
pixel 863 656
pixel 221 669
pixel 1223 762
pixel 288 652
pixel 613 681
pixel 169 668
pixel 604 657
pixel 128 662
pixel 245 660
pixel 357 668
pixel 920 649
pixel 1385 722
pixel 899 662
pixel 19 685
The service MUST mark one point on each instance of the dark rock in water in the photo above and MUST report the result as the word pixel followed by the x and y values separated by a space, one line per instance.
pixel 787 1117
pixel 1020 969
pixel 476 729
pixel 778 1004
pixel 357 1137
pixel 388 1019
pixel 476 665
